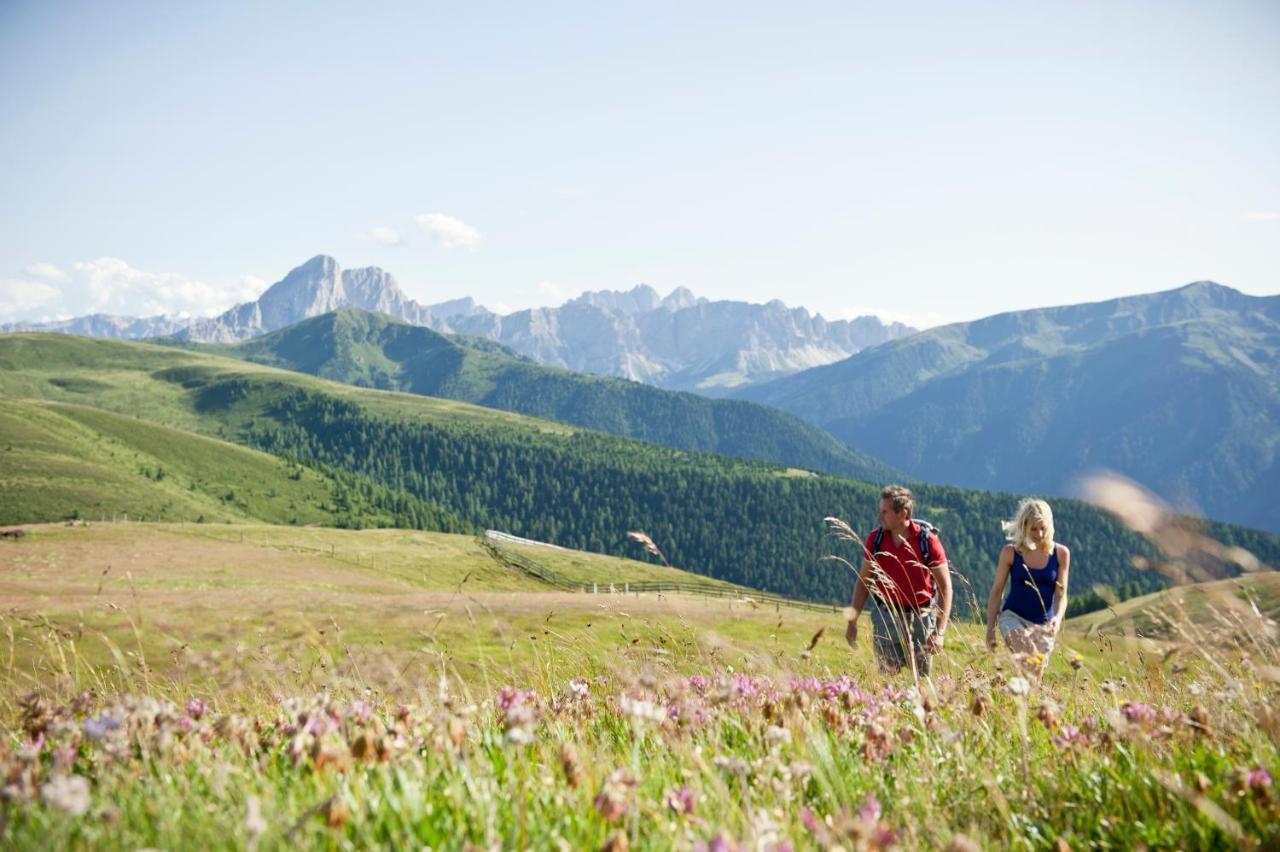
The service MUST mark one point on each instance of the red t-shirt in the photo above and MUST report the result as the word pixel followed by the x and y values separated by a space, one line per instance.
pixel 907 582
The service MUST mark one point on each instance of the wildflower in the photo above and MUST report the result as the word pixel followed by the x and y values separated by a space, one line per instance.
pixel 68 793
pixel 777 736
pixel 336 812
pixel 1076 661
pixel 1019 685
pixel 570 765
pixel 615 842
pixel 195 709
pixel 1258 779
pixel 579 689
pixel 1047 713
pixel 99 726
pixel 681 801
pixel 1138 713
pixel 613 800
pixel 719 843
pixel 642 711
pixel 1069 737
pixel 869 810
pixel 979 704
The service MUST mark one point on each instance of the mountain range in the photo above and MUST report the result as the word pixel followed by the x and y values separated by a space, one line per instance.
pixel 1179 390
pixel 678 342
pixel 373 350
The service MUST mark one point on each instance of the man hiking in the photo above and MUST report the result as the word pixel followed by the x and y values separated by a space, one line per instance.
pixel 904 571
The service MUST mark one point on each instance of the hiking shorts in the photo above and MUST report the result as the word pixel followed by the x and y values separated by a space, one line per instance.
pixel 899 635
pixel 1038 637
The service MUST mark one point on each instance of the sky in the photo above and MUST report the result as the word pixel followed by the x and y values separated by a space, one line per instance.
pixel 925 162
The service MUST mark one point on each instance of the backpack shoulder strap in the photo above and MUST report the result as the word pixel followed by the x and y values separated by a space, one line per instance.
pixel 877 540
pixel 925 549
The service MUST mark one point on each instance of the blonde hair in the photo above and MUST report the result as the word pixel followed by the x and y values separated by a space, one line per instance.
pixel 1018 530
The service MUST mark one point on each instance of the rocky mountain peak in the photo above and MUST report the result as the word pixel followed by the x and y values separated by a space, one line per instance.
pixel 638 300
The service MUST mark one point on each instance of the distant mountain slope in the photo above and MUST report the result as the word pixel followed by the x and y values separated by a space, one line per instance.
pixel 1179 390
pixel 432 462
pixel 373 350
pixel 680 341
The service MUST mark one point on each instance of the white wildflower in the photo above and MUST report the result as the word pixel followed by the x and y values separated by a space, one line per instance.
pixel 1019 686
pixel 69 793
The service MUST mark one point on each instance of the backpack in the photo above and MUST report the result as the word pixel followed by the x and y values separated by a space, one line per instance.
pixel 925 550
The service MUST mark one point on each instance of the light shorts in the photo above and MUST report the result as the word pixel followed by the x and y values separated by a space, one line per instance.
pixel 1038 636
pixel 899 635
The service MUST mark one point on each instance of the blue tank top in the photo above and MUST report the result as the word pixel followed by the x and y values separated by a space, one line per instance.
pixel 1031 589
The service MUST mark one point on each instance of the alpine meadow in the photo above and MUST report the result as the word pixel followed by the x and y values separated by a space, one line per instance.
pixel 609 427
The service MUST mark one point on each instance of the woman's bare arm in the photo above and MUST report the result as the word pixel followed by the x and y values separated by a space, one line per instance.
pixel 997 590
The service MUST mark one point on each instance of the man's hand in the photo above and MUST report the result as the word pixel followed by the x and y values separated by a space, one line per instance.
pixel 933 645
pixel 991 638
pixel 851 633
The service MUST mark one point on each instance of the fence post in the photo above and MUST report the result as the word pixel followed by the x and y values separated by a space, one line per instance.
pixel 595 588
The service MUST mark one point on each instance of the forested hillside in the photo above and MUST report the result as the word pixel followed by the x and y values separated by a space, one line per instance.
pixel 429 461
pixel 745 523
pixel 373 350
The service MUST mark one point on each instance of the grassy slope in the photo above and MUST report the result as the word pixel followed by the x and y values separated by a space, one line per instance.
pixel 269 596
pixel 60 460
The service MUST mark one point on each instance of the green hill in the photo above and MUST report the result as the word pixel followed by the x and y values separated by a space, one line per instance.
pixel 1222 608
pixel 1177 390
pixel 749 523
pixel 66 461
pixel 373 350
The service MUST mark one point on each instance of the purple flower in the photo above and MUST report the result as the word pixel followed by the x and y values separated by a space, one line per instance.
pixel 509 695
pixel 869 810
pixel 1259 779
pixel 682 801
pixel 99 726
pixel 196 708
pixel 1138 713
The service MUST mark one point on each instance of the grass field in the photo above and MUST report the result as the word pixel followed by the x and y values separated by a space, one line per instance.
pixel 264 686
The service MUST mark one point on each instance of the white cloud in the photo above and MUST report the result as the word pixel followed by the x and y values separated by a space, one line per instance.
pixel 25 298
pixel 46 270
pixel 1263 216
pixel 110 285
pixel 383 235
pixel 451 233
